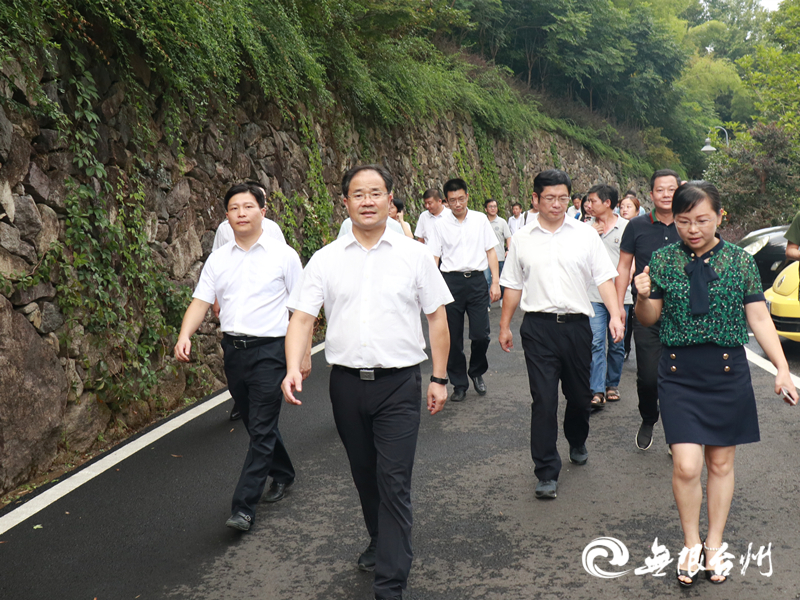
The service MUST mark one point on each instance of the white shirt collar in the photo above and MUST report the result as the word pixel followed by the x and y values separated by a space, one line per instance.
pixel 388 237
pixel 259 242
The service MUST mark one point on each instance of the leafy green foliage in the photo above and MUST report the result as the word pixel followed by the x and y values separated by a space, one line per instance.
pixel 774 70
pixel 758 176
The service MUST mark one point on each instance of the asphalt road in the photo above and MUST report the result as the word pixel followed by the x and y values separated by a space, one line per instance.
pixel 153 527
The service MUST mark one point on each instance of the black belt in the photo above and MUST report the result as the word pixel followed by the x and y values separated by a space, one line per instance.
pixel 371 374
pixel 243 342
pixel 466 274
pixel 558 317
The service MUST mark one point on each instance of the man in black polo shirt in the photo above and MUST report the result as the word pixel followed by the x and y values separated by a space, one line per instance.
pixel 643 236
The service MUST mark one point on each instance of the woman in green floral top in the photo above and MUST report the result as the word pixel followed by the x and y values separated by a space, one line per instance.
pixel 706 292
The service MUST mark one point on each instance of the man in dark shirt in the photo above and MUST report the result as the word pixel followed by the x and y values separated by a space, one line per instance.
pixel 643 236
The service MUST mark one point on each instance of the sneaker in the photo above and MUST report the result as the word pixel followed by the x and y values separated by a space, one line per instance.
pixel 578 455
pixel 546 490
pixel 644 438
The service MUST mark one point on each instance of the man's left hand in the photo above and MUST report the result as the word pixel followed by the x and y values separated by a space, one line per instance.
pixel 437 396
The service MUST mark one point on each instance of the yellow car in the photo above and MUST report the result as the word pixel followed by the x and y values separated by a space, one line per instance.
pixel 783 302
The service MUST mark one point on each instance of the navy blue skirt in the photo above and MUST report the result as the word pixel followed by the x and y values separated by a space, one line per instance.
pixel 706 396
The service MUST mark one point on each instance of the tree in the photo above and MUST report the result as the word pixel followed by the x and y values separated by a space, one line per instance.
pixel 774 70
pixel 758 176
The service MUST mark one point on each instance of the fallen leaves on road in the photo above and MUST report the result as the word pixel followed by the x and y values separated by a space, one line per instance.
pixel 38 527
pixel 173 456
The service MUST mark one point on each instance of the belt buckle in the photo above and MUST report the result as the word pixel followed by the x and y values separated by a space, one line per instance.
pixel 468 274
pixel 561 318
pixel 240 344
pixel 366 374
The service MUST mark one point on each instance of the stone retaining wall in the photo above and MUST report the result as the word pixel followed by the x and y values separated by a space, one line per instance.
pixel 47 404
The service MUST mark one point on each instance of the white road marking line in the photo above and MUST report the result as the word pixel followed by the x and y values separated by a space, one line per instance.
pixel 73 482
pixel 766 365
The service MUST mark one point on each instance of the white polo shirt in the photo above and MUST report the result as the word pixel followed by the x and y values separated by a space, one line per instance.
pixel 462 245
pixel 252 286
pixel 225 233
pixel 611 241
pixel 425 223
pixel 372 299
pixel 555 270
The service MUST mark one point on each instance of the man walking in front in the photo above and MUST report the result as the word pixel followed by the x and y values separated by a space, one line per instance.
pixel 251 277
pixel 643 236
pixel 548 270
pixel 373 283
pixel 463 243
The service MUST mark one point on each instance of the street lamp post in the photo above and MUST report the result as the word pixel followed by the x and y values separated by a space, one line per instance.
pixel 708 148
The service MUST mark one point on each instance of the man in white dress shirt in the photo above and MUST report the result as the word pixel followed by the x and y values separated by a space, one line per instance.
pixel 435 210
pixel 373 283
pixel 252 277
pixel 224 235
pixel 549 268
pixel 515 220
pixel 463 242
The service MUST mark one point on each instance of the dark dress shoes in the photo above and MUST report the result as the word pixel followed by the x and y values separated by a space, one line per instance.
pixel 276 491
pixel 479 384
pixel 239 521
pixel 546 490
pixel 235 414
pixel 366 562
pixel 458 395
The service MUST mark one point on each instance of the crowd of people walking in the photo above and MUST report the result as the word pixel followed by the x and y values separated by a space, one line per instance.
pixel 575 265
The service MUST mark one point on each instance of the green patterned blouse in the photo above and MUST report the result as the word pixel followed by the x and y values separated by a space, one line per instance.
pixel 738 284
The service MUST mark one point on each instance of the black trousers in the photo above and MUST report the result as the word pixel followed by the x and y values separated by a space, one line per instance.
pixel 254 381
pixel 648 353
pixel 378 422
pixel 470 296
pixel 553 352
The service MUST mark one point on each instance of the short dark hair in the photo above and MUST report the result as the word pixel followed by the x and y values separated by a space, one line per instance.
pixel 690 194
pixel 399 204
pixel 630 193
pixel 379 169
pixel 516 204
pixel 605 192
pixel 550 178
pixel 453 185
pixel 575 195
pixel 431 193
pixel 256 189
pixel 664 173
pixel 487 201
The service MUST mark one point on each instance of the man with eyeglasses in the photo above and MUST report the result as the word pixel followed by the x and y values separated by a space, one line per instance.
pixel 643 236
pixel 464 245
pixel 550 267
pixel 375 384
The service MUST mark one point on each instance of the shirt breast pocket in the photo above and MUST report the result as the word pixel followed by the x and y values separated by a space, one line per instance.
pixel 399 290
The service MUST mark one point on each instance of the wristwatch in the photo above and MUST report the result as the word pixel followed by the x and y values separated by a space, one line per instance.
pixel 439 380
